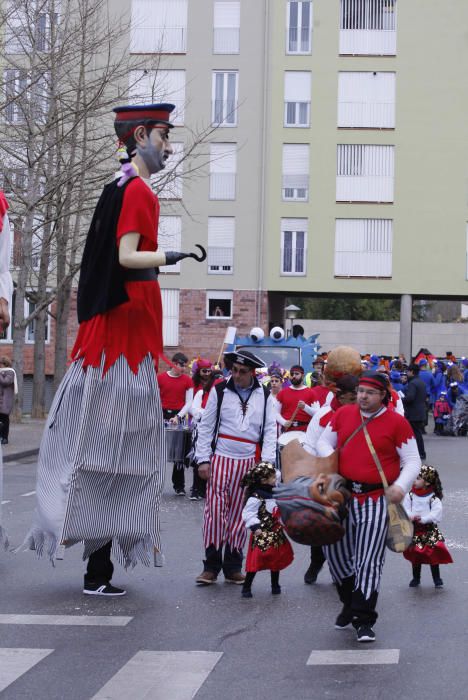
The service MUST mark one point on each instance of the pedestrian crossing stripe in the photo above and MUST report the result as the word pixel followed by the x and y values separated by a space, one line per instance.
pixel 69 620
pixel 160 675
pixel 358 657
pixel 15 662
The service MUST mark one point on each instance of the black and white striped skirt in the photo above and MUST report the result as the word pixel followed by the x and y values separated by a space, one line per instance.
pixel 101 464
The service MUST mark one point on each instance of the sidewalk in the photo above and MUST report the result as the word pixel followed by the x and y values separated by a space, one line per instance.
pixel 24 439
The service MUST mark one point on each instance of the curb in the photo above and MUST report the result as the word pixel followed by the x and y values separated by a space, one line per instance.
pixel 15 456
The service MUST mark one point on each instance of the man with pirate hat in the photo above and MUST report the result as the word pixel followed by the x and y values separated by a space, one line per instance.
pixel 102 458
pixel 356 561
pixel 237 429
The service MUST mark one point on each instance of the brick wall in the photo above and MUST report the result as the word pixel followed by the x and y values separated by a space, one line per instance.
pixel 201 336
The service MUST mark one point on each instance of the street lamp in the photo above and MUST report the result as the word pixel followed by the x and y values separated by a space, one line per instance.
pixel 291 313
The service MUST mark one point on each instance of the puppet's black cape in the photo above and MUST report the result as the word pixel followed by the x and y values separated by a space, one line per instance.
pixel 102 278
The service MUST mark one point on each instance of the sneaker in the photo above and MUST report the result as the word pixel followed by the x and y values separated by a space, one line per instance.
pixel 206 578
pixel 236 577
pixel 246 593
pixel 4 441
pixel 414 582
pixel 179 492
pixel 343 620
pixel 194 496
pixel 365 633
pixel 104 589
pixel 275 590
pixel 311 574
pixel 438 583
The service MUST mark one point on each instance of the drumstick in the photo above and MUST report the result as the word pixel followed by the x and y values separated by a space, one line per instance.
pixel 294 414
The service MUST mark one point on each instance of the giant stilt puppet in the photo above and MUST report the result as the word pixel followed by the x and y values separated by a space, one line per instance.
pixel 102 457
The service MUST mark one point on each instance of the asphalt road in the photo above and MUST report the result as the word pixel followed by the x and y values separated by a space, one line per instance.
pixel 169 639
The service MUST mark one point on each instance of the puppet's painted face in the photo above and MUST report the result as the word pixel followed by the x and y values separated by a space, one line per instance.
pixel 156 149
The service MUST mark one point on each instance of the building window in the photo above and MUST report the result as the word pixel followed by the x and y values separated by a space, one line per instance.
pixel 368 27
pixel 29 308
pixel 363 247
pixel 224 98
pixel 158 26
pixel 366 100
pixel 297 89
pixel 295 185
pixel 221 240
pixel 219 304
pixel 223 166
pixel 170 238
pixel 170 304
pixel 169 182
pixel 364 173
pixel 299 27
pixel 226 26
pixel 293 246
pixel 27 30
pixel 149 87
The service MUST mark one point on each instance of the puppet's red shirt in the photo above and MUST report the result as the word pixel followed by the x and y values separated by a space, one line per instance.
pixel 132 329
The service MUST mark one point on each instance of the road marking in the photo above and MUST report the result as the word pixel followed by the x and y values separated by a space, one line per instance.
pixel 359 657
pixel 30 493
pixel 15 662
pixel 160 675
pixel 71 620
pixel 5 502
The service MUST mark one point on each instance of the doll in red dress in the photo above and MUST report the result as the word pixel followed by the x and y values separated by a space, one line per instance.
pixel 269 548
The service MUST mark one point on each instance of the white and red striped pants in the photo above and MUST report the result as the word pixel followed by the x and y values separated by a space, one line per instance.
pixel 223 522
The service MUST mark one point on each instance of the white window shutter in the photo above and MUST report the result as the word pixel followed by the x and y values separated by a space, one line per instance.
pixel 296 170
pixel 363 247
pixel 223 166
pixel 366 99
pixel 221 240
pixel 170 304
pixel 158 26
pixel 297 86
pixel 365 173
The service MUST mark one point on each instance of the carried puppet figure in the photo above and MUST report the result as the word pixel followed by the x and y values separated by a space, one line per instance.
pixel 269 548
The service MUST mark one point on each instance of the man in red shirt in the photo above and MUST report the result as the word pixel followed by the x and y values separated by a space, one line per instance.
pixel 356 561
pixel 298 402
pixel 176 388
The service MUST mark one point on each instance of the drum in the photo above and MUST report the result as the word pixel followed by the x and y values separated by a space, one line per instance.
pixel 284 439
pixel 178 442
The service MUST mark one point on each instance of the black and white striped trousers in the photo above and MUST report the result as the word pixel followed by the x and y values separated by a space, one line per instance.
pixel 361 551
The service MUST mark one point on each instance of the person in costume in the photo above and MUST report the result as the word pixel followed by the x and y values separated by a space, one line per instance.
pixel 356 561
pixel 238 424
pixel 176 391
pixel 424 507
pixel 6 290
pixel 269 548
pixel 298 403
pixel 102 456
pixel 442 411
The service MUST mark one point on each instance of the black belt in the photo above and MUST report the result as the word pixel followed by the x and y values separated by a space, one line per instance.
pixel 295 423
pixel 145 274
pixel 361 487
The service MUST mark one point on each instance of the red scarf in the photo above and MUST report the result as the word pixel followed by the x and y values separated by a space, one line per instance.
pixel 422 492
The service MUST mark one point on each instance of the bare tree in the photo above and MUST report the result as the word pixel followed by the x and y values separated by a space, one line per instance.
pixel 66 64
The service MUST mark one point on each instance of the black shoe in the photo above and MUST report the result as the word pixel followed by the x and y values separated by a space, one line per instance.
pixel 4 441
pixel 104 589
pixel 275 590
pixel 246 593
pixel 438 583
pixel 179 492
pixel 311 574
pixel 343 620
pixel 365 633
pixel 194 495
pixel 414 582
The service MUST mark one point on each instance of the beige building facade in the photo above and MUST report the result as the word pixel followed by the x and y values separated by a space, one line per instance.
pixel 337 160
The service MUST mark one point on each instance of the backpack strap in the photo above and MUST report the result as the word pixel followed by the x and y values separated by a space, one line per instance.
pixel 219 388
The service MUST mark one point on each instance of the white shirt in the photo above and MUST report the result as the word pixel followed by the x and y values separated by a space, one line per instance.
pixel 6 283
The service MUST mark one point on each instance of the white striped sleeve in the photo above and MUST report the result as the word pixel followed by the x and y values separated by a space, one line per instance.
pixel 327 442
pixel 6 284
pixel 410 463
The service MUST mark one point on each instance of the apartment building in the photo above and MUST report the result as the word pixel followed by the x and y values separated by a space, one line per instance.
pixel 337 161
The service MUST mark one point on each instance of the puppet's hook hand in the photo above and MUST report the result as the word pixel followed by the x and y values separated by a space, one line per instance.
pixel 199 258
pixel 173 257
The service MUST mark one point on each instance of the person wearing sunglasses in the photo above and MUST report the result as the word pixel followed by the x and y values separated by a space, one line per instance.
pixel 237 429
